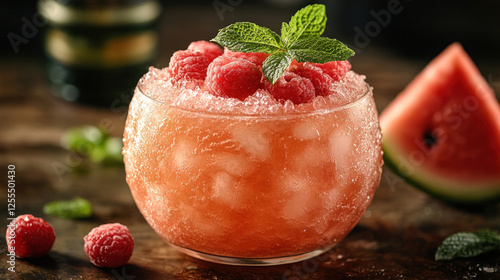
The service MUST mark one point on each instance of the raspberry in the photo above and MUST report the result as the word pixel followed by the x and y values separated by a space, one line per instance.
pixel 255 57
pixel 233 77
pixel 335 69
pixel 188 65
pixel 109 245
pixel 209 50
pixel 294 64
pixel 320 80
pixel 291 87
pixel 29 237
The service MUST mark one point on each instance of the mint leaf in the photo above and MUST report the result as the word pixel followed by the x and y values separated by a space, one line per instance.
pixel 275 64
pixel 248 37
pixel 77 208
pixel 95 143
pixel 300 39
pixel 468 244
pixel 307 22
pixel 81 139
pixel 114 147
pixel 319 50
pixel 110 152
pixel 286 33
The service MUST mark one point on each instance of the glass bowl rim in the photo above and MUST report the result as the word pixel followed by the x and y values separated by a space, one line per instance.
pixel 361 98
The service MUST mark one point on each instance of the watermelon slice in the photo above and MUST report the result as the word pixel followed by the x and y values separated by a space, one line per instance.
pixel 442 133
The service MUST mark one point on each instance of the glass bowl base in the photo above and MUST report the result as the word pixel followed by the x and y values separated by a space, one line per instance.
pixel 250 261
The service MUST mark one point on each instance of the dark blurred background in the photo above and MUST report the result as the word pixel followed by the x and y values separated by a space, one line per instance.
pixel 416 28
pixel 420 28
pixel 401 30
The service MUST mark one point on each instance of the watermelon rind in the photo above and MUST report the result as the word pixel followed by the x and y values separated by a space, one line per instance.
pixel 446 189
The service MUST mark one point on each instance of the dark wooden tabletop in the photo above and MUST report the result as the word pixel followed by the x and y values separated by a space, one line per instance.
pixel 396 238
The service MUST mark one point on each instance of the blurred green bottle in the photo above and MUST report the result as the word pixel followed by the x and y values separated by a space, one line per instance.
pixel 98 49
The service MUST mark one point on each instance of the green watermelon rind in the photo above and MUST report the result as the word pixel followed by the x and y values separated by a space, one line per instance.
pixel 447 189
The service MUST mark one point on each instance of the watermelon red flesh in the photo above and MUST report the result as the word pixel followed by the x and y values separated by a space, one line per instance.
pixel 443 131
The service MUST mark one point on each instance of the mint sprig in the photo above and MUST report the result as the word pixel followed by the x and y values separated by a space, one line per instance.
pixel 468 244
pixel 300 40
pixel 77 208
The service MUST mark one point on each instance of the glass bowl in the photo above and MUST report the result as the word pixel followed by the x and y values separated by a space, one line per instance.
pixel 248 189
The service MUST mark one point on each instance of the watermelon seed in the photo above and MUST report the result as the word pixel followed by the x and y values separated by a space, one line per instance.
pixel 430 138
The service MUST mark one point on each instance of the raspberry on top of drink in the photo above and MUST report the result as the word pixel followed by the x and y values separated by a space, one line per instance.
pixel 212 79
pixel 239 75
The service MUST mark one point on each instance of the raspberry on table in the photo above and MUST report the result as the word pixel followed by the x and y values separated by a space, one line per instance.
pixel 291 87
pixel 335 69
pixel 233 77
pixel 255 57
pixel 29 236
pixel 188 65
pixel 315 74
pixel 109 245
pixel 208 49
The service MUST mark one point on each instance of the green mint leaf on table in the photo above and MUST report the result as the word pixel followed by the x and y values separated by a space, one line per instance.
pixel 77 208
pixel 468 244
pixel 300 40
pixel 80 139
pixel 95 143
pixel 110 152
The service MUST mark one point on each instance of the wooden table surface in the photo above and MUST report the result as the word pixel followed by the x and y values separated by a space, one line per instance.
pixel 396 238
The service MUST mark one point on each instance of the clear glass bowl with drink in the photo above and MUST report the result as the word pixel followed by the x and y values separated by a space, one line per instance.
pixel 256 179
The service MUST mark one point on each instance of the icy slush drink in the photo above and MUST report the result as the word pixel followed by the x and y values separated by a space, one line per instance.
pixel 229 180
